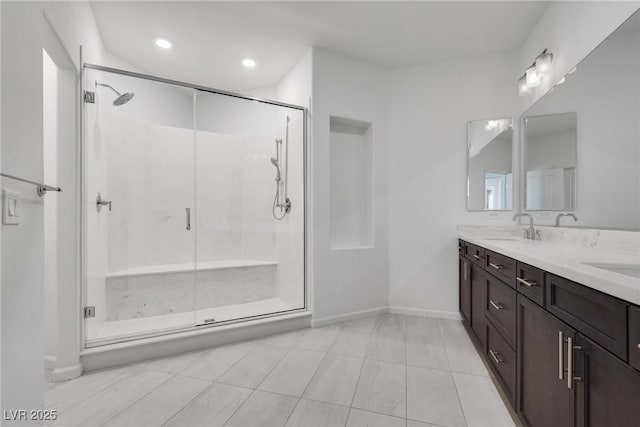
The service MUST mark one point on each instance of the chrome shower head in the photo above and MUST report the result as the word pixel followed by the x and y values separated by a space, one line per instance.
pixel 121 99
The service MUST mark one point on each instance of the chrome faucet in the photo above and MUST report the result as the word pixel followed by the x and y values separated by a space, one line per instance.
pixel 560 215
pixel 529 233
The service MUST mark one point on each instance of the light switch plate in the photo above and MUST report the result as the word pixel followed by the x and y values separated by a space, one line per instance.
pixel 11 207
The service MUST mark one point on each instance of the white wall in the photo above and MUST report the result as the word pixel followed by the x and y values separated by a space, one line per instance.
pixel 430 106
pixel 348 281
pixel 23 35
pixel 570 30
pixel 50 155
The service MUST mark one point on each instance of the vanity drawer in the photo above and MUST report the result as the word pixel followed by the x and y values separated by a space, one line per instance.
pixel 501 308
pixel 501 266
pixel 530 282
pixel 475 254
pixel 502 360
pixel 597 316
pixel 634 337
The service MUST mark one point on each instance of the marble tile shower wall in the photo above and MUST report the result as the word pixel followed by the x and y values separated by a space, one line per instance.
pixel 152 179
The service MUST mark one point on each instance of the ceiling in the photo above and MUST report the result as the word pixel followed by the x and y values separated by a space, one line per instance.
pixel 211 38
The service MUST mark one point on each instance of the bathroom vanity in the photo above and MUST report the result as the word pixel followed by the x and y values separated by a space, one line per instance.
pixel 558 324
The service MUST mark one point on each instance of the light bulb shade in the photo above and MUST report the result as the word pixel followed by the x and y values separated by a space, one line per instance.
pixel 523 89
pixel 533 79
pixel 543 64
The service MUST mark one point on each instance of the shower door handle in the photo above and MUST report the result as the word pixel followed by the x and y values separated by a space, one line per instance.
pixel 188 218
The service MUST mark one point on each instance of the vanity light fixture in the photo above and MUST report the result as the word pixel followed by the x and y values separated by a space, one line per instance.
pixel 562 80
pixel 540 69
pixel 543 63
pixel 523 89
pixel 533 79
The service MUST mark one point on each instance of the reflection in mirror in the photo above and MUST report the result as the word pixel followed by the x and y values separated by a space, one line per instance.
pixel 550 162
pixel 489 169
pixel 603 96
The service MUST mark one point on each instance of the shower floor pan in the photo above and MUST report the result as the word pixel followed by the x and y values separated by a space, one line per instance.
pixel 185 319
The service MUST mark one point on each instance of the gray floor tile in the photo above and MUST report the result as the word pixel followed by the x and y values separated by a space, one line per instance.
pixel 263 409
pixel 382 388
pixel 426 351
pixel 161 404
pixel 212 408
pixel 216 362
pixel 461 353
pixel 360 418
pixel 292 375
pixel 388 347
pixel 394 323
pixel 364 324
pixel 318 339
pixel 351 342
pixel 254 366
pixel 335 380
pixel 310 413
pixel 105 404
pixel 427 326
pixel 481 403
pixel 174 364
pixel 432 397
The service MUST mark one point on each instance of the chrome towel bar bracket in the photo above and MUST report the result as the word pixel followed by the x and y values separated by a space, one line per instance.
pixel 42 189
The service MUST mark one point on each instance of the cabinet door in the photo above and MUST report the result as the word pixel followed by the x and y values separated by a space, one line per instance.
pixel 608 392
pixel 543 397
pixel 478 303
pixel 465 289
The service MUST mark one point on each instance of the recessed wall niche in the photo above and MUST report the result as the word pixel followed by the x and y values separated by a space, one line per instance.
pixel 351 183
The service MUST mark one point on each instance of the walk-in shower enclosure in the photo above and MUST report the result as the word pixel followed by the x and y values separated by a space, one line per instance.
pixel 180 230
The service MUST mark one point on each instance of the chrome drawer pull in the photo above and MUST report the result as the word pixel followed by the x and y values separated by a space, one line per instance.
pixel 496 266
pixel 495 357
pixel 476 257
pixel 496 305
pixel 570 377
pixel 526 283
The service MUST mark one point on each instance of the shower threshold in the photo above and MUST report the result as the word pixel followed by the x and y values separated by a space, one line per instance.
pixel 145 325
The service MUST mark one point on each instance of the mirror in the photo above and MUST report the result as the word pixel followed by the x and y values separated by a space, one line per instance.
pixel 489 167
pixel 582 139
pixel 550 160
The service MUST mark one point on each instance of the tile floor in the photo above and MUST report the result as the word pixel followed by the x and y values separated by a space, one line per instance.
pixel 388 370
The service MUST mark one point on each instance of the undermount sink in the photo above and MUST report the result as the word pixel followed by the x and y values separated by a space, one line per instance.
pixel 632 270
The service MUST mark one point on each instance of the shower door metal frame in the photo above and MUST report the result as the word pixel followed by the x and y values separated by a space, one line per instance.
pixel 83 266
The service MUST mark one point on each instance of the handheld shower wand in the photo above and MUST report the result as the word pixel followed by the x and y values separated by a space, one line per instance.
pixel 285 206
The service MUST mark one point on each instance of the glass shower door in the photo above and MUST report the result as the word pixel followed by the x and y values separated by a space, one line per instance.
pixel 249 249
pixel 138 198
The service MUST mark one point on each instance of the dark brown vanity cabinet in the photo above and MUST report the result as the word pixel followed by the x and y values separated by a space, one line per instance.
pixel 478 303
pixel 563 353
pixel 607 389
pixel 543 397
pixel 465 288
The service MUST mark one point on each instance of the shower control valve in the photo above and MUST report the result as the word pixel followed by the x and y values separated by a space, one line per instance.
pixel 100 202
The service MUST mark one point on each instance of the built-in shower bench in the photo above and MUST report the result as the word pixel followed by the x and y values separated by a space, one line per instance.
pixel 156 290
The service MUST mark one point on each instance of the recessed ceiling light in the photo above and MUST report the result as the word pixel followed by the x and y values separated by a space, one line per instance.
pixel 248 62
pixel 163 43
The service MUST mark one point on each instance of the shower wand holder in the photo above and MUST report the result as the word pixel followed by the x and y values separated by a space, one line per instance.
pixel 286 205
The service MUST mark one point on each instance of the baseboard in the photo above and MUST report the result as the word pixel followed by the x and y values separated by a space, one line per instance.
pixel 49 362
pixel 66 373
pixel 354 315
pixel 410 311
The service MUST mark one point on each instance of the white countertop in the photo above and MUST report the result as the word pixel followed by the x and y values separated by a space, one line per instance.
pixel 563 259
